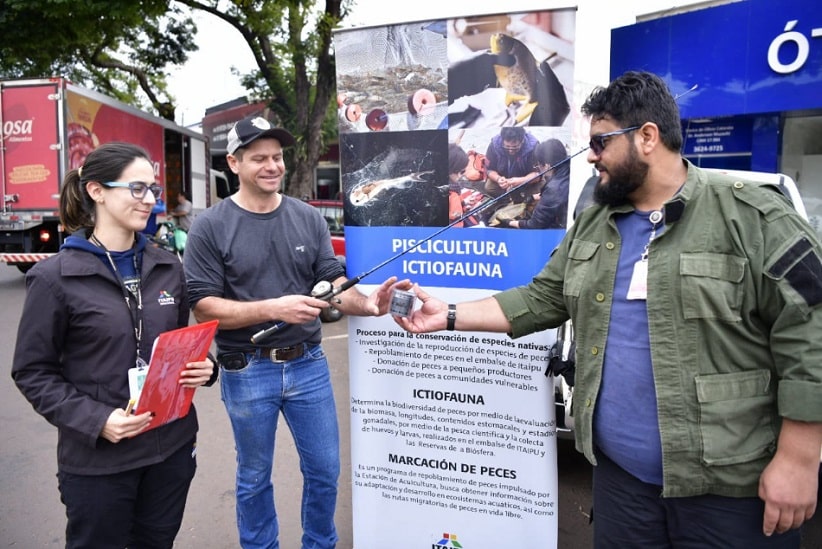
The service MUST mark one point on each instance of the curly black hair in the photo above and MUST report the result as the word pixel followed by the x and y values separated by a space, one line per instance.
pixel 634 99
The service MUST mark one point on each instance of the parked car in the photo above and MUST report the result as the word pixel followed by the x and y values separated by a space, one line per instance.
pixel 332 211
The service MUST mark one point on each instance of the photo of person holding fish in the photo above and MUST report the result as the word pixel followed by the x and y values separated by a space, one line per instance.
pixel 518 195
pixel 547 208
pixel 511 163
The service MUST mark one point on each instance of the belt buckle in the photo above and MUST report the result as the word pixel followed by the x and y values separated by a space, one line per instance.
pixel 275 353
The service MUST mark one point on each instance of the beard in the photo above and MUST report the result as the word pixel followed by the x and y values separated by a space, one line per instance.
pixel 623 179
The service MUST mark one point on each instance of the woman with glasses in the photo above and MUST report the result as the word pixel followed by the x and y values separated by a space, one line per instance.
pixel 90 317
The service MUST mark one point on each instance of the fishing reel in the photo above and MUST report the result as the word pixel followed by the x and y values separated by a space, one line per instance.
pixel 326 291
pixel 322 290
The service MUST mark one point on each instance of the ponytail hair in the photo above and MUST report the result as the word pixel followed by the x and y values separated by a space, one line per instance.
pixel 105 163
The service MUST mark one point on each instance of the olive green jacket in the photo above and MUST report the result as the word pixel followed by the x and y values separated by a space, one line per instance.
pixel 734 287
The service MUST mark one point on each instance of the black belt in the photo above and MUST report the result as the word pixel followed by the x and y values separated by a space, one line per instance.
pixel 282 354
pixel 237 360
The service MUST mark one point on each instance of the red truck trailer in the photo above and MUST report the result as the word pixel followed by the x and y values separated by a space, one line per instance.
pixel 47 127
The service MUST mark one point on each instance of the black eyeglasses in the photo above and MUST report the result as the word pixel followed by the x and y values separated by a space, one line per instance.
pixel 138 188
pixel 598 142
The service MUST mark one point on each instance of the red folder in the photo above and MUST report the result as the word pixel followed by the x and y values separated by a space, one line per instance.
pixel 162 393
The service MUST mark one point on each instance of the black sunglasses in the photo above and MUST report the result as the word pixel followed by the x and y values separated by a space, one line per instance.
pixel 598 142
pixel 138 188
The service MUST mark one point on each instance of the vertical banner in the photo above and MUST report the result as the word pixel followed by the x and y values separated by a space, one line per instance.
pixel 453 433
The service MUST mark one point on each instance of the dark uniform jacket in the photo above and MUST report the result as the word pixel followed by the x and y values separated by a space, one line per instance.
pixel 75 345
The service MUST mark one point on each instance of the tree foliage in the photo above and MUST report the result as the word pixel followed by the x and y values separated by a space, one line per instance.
pixel 291 41
pixel 118 48
pixel 123 49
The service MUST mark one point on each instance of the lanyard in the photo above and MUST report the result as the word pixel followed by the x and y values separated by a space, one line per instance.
pixel 654 218
pixel 136 312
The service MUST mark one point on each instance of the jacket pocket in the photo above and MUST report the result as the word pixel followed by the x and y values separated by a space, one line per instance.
pixel 580 255
pixel 712 285
pixel 735 416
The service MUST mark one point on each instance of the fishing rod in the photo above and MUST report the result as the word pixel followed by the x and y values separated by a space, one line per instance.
pixel 326 291
pixel 351 282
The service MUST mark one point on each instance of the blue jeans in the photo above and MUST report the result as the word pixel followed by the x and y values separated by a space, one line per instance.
pixel 254 397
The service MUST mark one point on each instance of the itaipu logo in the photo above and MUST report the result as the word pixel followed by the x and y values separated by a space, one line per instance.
pixel 448 540
pixel 165 298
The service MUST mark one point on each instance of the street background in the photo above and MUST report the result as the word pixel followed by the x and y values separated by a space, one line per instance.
pixel 31 515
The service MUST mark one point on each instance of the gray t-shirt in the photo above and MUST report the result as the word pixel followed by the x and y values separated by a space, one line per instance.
pixel 243 256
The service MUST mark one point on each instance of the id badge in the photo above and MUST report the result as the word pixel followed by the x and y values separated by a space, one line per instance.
pixel 638 289
pixel 136 380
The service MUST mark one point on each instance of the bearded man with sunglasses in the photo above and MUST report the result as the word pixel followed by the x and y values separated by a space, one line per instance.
pixel 696 301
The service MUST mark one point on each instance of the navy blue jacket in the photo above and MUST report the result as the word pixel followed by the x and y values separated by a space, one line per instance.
pixel 75 344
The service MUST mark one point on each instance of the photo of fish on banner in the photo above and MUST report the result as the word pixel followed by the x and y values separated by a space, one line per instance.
pixel 511 70
pixel 392 78
pixel 399 187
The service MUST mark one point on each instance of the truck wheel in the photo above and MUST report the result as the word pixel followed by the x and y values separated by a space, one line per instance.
pixel 24 267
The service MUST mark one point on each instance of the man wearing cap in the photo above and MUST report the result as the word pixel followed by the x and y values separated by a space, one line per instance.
pixel 251 262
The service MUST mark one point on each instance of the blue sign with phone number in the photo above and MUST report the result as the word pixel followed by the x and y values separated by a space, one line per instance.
pixel 731 135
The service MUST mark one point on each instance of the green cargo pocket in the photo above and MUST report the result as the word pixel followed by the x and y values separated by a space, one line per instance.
pixel 579 263
pixel 735 416
pixel 712 285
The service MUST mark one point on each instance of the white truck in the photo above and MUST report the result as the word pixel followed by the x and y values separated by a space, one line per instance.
pixel 47 127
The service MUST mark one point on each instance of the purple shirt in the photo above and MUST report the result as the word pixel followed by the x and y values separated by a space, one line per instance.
pixel 626 427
